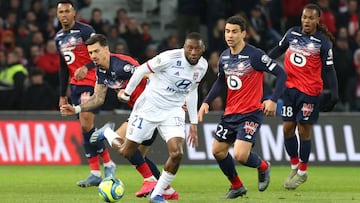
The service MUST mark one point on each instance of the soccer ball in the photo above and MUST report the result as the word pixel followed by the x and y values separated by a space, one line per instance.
pixel 111 189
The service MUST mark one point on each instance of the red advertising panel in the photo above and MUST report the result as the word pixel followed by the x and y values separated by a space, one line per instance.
pixel 40 142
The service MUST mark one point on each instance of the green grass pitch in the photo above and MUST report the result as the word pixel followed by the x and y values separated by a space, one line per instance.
pixel 195 184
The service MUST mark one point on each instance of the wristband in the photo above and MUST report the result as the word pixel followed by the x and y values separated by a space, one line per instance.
pixel 125 97
pixel 77 109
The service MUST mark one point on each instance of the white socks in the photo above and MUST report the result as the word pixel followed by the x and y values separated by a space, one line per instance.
pixel 164 180
pixel 110 135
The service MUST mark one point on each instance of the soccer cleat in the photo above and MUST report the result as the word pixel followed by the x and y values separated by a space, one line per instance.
pixel 264 178
pixel 234 193
pixel 293 172
pixel 296 181
pixel 110 171
pixel 98 135
pixel 171 196
pixel 158 199
pixel 92 180
pixel 146 188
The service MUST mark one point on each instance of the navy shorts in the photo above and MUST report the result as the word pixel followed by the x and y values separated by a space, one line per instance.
pixel 300 107
pixel 239 126
pixel 76 92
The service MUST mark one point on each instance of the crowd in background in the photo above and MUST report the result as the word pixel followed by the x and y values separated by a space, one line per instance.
pixel 29 60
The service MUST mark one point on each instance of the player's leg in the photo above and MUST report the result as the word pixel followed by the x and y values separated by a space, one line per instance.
pixel 116 141
pixel 289 113
pixel 225 161
pixel 87 126
pixel 173 132
pixel 247 130
pixel 175 147
pixel 244 155
pixel 305 148
pixel 291 147
pixel 223 139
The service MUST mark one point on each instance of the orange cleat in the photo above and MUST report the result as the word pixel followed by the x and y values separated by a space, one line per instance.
pixel 147 187
pixel 171 196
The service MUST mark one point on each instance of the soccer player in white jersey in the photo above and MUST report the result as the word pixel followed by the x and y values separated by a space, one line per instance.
pixel 176 75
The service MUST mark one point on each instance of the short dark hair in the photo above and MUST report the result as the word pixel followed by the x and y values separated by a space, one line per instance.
pixel 194 35
pixel 66 2
pixel 97 38
pixel 237 20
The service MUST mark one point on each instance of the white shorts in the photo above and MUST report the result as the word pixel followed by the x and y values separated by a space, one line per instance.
pixel 140 129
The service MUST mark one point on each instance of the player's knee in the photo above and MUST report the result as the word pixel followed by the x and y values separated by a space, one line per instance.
pixel 219 154
pixel 241 157
pixel 176 155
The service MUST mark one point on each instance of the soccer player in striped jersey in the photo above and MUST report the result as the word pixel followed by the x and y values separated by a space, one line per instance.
pixel 175 78
pixel 241 72
pixel 308 55
pixel 76 64
pixel 113 72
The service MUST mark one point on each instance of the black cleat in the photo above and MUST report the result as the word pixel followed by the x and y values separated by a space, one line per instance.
pixel 234 193
pixel 264 178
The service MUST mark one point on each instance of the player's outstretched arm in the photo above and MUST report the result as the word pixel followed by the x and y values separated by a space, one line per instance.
pixel 203 109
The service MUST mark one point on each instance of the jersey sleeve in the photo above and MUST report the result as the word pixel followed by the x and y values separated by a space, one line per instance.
pixel 280 49
pixel 158 63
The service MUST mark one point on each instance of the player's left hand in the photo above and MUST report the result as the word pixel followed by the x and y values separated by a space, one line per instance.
pixel 192 138
pixel 80 73
pixel 269 107
pixel 67 110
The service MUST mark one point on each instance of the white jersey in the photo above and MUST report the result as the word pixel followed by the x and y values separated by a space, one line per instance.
pixel 173 79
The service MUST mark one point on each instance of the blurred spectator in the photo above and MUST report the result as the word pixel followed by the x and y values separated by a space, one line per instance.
pixel 39 12
pixel 170 42
pixel 132 36
pixel 39 95
pixel 11 20
pixel 350 18
pixel 121 20
pixel 12 6
pixel 327 16
pixel 49 63
pixel 292 11
pixel 188 18
pixel 7 41
pixel 22 36
pixel 22 58
pixel 114 38
pixel 121 48
pixel 218 41
pixel 208 81
pixel 150 52
pixel 346 73
pixel 146 34
pixel 97 21
pixel 272 36
pixel 31 21
pixel 12 83
pixel 34 54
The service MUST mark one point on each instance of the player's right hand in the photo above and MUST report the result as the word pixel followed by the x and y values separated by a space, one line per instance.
pixel 203 109
pixel 63 100
pixel 122 96
pixel 67 110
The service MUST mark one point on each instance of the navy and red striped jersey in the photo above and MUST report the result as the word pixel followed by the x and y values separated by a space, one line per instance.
pixel 117 76
pixel 74 53
pixel 305 57
pixel 243 75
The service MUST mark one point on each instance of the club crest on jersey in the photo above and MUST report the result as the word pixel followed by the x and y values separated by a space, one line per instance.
pixel 128 67
pixel 196 75
pixel 250 127
pixel 265 59
pixel 307 109
pixel 178 63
